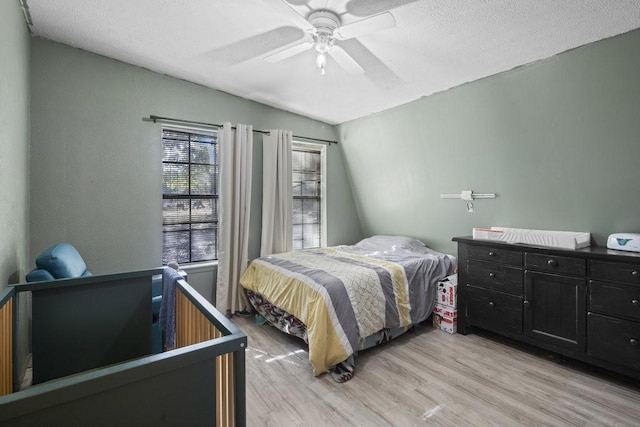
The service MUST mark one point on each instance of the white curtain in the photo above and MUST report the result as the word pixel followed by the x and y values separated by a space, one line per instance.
pixel 235 155
pixel 277 205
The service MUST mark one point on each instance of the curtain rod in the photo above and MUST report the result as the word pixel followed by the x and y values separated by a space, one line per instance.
pixel 156 119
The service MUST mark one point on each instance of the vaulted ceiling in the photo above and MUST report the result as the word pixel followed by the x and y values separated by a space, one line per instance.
pixel 422 47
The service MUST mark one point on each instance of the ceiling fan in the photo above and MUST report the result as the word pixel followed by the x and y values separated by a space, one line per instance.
pixel 325 32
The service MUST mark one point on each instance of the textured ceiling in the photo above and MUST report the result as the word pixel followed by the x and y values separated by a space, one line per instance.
pixel 435 45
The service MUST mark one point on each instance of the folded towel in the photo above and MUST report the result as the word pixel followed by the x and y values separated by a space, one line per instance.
pixel 168 307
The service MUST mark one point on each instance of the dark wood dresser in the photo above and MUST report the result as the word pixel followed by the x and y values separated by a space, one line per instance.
pixel 582 303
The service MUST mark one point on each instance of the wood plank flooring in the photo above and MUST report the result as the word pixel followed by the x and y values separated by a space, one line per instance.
pixel 430 377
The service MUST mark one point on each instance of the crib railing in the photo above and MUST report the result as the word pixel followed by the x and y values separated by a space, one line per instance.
pixel 200 382
pixel 198 321
pixel 6 341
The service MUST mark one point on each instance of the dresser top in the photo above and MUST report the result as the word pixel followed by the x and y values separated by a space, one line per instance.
pixel 600 252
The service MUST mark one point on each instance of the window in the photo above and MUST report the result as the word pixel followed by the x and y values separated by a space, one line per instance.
pixel 189 195
pixel 308 165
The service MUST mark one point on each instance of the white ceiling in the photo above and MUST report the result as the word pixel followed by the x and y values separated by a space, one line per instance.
pixel 435 45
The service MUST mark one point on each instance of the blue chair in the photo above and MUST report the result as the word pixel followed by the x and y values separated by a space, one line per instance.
pixel 61 261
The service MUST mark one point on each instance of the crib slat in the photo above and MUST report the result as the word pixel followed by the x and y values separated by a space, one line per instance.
pixel 193 327
pixel 6 348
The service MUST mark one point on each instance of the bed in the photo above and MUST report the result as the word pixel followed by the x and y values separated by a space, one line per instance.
pixel 344 299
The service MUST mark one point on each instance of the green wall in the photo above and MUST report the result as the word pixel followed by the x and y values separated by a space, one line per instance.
pixel 96 166
pixel 14 142
pixel 558 141
pixel 14 158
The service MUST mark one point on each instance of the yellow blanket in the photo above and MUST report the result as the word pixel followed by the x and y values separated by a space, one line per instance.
pixel 340 297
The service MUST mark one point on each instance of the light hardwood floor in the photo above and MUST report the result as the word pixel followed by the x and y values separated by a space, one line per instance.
pixel 430 377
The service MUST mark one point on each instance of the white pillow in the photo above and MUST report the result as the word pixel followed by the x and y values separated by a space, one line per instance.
pixel 387 243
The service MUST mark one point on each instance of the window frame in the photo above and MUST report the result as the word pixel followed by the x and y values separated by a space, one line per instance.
pixel 213 131
pixel 297 145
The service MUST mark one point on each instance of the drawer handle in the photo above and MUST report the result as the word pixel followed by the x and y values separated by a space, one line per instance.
pixel 635 273
pixel 491 253
pixel 635 302
pixel 492 275
pixel 526 303
pixel 552 263
pixel 492 304
pixel 633 341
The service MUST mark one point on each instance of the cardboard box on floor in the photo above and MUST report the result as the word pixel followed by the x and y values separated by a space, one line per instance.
pixel 445 318
pixel 448 291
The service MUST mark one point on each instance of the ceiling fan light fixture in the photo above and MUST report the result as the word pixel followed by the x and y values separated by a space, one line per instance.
pixel 322 44
pixel 325 23
pixel 321 61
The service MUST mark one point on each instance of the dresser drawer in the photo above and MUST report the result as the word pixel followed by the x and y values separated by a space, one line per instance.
pixel 615 271
pixel 614 340
pixel 615 299
pixel 493 254
pixel 556 264
pixel 495 276
pixel 494 310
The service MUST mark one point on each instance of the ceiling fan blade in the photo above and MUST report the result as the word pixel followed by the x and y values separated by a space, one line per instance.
pixel 364 26
pixel 345 60
pixel 288 52
pixel 375 69
pixel 372 7
pixel 258 45
pixel 284 8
